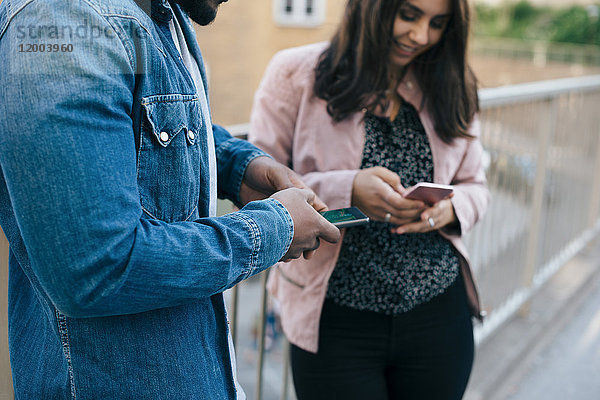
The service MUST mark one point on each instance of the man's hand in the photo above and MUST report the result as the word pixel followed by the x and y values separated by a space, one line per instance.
pixel 265 176
pixel 309 225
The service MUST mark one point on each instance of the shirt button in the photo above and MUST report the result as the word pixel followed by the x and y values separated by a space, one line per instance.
pixel 191 135
pixel 164 136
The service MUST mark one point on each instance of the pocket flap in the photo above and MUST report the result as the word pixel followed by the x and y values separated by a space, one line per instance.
pixel 168 115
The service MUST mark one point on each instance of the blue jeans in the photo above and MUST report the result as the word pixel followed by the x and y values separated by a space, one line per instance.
pixel 426 353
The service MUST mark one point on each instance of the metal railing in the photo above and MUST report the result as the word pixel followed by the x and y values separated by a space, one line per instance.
pixel 542 143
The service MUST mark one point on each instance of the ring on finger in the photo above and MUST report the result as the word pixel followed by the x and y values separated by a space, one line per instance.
pixel 431 222
pixel 387 217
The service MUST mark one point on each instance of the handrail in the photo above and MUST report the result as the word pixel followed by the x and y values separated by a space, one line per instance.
pixel 510 94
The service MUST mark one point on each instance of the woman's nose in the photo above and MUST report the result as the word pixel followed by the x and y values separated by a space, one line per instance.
pixel 419 33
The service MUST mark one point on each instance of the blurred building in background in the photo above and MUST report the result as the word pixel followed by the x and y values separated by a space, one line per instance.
pixel 246 34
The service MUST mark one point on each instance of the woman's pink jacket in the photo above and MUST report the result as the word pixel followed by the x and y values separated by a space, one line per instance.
pixel 292 125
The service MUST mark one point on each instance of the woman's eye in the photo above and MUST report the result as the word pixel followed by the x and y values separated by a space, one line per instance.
pixel 438 24
pixel 408 16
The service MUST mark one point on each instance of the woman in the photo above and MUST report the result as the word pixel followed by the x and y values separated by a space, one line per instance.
pixel 388 103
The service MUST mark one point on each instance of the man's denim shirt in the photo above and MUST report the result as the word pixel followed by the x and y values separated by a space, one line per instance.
pixel 116 272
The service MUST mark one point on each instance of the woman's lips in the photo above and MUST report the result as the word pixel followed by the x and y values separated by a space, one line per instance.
pixel 404 50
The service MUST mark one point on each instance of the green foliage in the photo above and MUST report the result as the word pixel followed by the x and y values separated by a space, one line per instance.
pixel 575 25
pixel 522 20
pixel 523 11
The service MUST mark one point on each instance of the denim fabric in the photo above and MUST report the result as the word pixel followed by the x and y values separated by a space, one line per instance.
pixel 116 273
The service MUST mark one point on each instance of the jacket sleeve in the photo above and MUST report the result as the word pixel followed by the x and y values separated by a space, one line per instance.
pixel 471 195
pixel 274 124
pixel 233 157
pixel 70 173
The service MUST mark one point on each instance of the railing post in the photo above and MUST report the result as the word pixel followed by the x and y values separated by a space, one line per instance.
pixel 594 214
pixel 261 335
pixel 6 388
pixel 233 320
pixel 286 368
pixel 537 207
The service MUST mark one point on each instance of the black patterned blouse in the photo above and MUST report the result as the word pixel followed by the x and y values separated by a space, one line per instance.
pixel 384 272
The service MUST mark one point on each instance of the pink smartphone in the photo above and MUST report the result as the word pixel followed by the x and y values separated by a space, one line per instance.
pixel 429 193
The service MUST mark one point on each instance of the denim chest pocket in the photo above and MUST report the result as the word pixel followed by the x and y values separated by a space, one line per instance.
pixel 169 157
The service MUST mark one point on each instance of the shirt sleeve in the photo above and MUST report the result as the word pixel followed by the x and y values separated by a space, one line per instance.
pixel 68 158
pixel 233 157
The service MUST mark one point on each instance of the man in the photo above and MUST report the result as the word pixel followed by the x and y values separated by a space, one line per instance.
pixel 110 169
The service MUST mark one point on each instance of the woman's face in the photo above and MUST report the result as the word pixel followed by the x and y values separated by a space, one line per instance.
pixel 419 25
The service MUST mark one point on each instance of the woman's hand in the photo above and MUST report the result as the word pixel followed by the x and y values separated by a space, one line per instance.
pixel 436 217
pixel 377 192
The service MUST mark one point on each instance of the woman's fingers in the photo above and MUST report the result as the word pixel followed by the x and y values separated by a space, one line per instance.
pixel 433 218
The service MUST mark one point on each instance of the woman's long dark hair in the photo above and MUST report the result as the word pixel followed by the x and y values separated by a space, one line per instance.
pixel 354 72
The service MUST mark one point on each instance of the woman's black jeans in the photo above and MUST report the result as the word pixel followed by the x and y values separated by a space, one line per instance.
pixel 424 354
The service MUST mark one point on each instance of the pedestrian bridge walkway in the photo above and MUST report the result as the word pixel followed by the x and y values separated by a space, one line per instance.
pixel 552 352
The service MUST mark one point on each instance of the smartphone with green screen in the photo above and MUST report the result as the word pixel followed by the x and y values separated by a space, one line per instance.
pixel 346 217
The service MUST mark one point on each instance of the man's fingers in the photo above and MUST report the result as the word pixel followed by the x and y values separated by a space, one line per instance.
pixel 295 180
pixel 328 231
pixel 310 196
pixel 319 204
pixel 309 225
pixel 316 202
pixel 308 254
pixel 291 256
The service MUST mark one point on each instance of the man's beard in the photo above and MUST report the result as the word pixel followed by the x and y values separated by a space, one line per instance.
pixel 203 12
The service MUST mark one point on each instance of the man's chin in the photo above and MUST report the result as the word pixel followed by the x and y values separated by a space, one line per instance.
pixel 202 12
pixel 203 19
